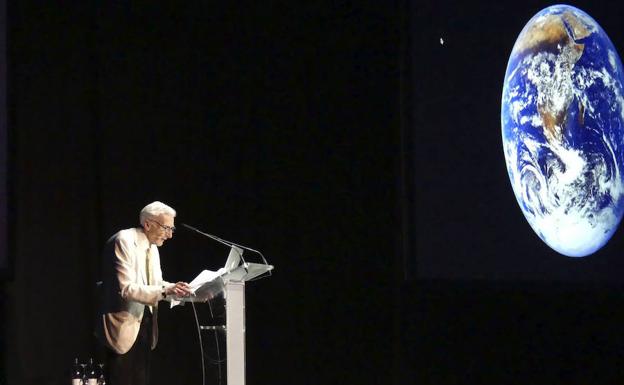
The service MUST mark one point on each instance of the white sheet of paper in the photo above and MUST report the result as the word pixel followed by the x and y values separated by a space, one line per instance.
pixel 205 277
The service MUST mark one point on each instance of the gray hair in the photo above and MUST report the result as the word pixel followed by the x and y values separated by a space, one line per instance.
pixel 155 209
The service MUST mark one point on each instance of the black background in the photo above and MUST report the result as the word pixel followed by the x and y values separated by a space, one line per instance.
pixel 273 125
pixel 4 261
pixel 286 127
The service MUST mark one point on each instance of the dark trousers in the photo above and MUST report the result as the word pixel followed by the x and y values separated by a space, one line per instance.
pixel 132 368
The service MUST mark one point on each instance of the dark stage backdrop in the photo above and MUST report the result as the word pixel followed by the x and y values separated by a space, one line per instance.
pixel 274 125
pixel 279 126
pixel 4 260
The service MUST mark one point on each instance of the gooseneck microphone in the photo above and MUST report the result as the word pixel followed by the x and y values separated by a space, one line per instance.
pixel 228 244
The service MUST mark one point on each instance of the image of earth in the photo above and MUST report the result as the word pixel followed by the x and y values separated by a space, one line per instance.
pixel 562 119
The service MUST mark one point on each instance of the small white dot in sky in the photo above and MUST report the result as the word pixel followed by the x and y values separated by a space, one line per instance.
pixel 441 41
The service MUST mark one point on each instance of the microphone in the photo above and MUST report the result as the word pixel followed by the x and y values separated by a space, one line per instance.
pixel 227 243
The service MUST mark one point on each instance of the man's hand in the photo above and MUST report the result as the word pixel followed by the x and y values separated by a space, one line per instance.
pixel 180 289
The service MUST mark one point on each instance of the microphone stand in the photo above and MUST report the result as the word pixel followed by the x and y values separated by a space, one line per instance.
pixel 231 244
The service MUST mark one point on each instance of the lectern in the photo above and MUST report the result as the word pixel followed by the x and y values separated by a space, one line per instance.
pixel 230 280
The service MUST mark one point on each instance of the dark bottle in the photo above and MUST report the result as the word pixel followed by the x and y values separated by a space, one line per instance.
pixel 91 375
pixel 76 374
pixel 101 379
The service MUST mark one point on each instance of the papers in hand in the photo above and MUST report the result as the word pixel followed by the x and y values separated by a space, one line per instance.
pixel 204 287
pixel 205 277
pixel 202 281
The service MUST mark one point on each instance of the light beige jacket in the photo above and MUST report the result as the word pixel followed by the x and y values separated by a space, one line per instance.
pixel 125 291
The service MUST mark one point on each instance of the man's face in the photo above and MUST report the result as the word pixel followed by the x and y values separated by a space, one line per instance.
pixel 159 229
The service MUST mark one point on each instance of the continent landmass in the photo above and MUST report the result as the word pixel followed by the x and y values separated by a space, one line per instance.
pixel 556 33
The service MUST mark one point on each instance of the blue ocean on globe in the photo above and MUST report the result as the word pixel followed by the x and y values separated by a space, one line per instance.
pixel 562 120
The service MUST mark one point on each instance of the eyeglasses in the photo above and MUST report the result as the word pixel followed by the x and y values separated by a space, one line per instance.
pixel 164 227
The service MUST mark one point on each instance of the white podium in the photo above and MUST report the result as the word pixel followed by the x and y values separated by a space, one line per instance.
pixel 231 281
pixel 235 332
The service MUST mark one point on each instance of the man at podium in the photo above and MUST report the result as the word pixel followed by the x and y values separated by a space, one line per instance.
pixel 132 286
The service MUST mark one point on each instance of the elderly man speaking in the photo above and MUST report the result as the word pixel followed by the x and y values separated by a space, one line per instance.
pixel 132 287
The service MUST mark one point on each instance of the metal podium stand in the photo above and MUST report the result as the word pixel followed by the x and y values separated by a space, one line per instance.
pixel 232 283
pixel 235 332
